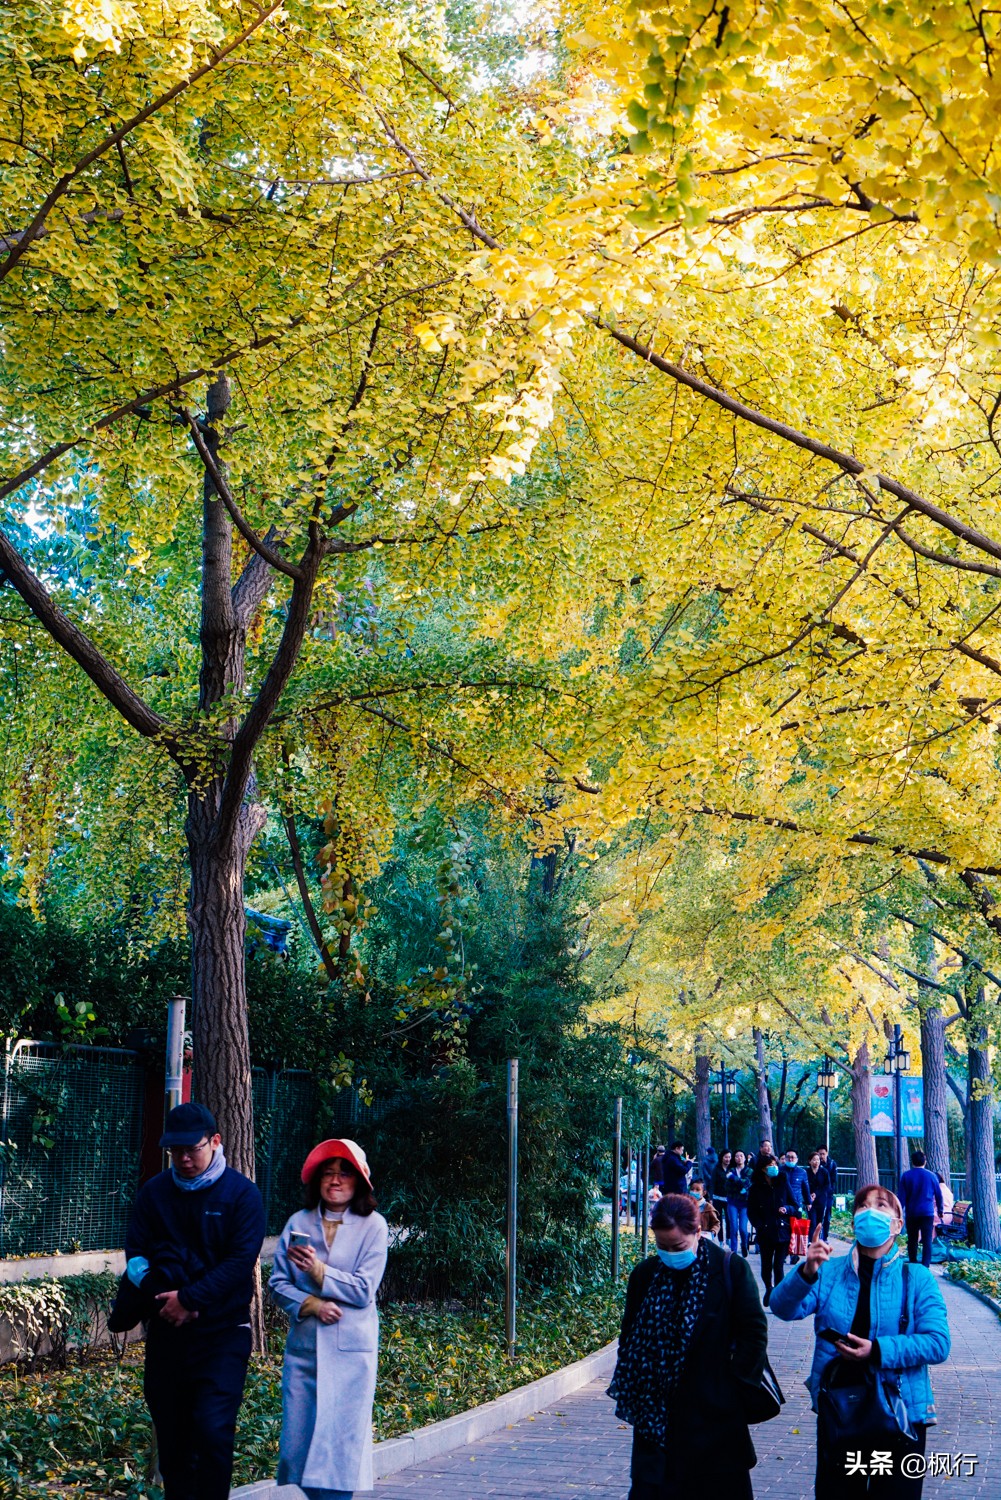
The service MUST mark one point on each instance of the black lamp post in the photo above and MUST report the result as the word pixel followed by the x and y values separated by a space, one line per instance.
pixel 897 1062
pixel 724 1083
pixel 827 1079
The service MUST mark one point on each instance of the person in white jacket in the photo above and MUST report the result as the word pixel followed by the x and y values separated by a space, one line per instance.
pixel 328 1264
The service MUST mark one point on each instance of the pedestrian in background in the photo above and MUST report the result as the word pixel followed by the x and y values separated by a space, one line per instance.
pixel 684 1345
pixel 891 1318
pixel 709 1219
pixel 657 1169
pixel 328 1264
pixel 948 1201
pixel 818 1183
pixel 676 1169
pixel 831 1168
pixel 800 1190
pixel 196 1231
pixel 770 1206
pixel 717 1187
pixel 921 1195
pixel 738 1182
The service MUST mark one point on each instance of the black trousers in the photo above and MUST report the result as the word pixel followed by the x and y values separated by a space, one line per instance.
pixel 773 1259
pixel 654 1478
pixel 925 1226
pixel 835 1482
pixel 193 1387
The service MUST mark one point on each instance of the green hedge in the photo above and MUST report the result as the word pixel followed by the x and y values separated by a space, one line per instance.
pixel 48 1317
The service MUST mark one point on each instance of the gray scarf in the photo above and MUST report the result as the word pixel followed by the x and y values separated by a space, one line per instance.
pixel 212 1173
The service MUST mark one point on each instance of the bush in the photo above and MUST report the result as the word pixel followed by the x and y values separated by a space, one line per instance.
pixel 86 1428
pixel 48 1317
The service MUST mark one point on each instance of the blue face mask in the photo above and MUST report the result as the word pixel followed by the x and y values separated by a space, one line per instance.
pixel 772 1171
pixel 873 1227
pixel 677 1260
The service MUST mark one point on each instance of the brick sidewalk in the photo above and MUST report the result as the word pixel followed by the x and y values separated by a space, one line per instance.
pixel 578 1449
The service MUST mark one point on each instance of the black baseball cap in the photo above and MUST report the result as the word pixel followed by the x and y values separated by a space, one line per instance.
pixel 187 1125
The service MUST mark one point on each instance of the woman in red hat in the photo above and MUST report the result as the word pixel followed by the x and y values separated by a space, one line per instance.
pixel 328 1265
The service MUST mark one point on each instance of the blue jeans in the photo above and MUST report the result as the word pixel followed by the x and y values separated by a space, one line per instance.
pixel 736 1226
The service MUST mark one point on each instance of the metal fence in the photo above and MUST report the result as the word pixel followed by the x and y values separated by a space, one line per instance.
pixel 70 1141
pixel 887 1178
pixel 285 1111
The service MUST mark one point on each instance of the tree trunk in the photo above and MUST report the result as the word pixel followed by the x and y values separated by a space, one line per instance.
pixel 703 1126
pixel 217 923
pixel 935 1086
pixel 764 1103
pixel 983 1184
pixel 866 1169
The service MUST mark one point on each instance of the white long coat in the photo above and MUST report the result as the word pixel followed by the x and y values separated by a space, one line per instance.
pixel 328 1375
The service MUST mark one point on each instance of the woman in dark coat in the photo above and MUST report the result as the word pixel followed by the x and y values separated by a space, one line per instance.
pixel 818 1182
pixel 684 1347
pixel 718 1189
pixel 770 1204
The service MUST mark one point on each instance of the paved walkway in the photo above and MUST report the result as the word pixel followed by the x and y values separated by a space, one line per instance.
pixel 577 1449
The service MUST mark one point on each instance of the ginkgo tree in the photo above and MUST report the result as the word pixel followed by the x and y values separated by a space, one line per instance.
pixel 235 343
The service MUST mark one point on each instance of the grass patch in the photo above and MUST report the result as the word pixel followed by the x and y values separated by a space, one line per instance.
pixel 985 1275
pixel 84 1431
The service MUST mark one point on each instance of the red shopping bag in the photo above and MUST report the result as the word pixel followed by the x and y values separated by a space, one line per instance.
pixel 800 1236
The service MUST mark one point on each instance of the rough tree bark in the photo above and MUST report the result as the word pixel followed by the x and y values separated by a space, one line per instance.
pixel 703 1124
pixel 983 1183
pixel 865 1142
pixel 764 1103
pixel 935 1087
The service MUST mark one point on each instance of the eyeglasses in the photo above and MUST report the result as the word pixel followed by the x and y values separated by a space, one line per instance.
pixel 182 1151
pixel 334 1174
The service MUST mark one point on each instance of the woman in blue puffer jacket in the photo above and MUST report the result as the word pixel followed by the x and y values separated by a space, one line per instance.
pixel 860 1295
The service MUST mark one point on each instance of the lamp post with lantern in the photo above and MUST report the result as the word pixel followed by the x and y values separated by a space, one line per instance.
pixel 827 1079
pixel 897 1062
pixel 724 1083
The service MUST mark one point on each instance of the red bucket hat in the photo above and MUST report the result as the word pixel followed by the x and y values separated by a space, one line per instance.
pixel 349 1151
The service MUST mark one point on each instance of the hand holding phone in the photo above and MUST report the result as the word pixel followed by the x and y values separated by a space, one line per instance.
pixel 831 1335
pixel 299 1238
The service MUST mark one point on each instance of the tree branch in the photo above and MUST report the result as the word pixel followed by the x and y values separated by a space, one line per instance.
pixel 251 588
pixel 967 958
pixel 226 496
pixel 868 840
pixel 133 709
pixel 259 714
pixel 291 833
pixel 138 404
pixel 844 461
pixel 27 236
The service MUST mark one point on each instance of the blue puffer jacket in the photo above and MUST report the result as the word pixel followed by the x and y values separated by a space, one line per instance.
pixel 833 1297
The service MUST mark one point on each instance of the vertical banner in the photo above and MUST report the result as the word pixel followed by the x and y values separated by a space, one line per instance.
pixel 912 1105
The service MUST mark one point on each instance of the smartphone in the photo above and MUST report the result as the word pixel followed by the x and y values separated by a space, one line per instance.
pixel 299 1238
pixel 831 1335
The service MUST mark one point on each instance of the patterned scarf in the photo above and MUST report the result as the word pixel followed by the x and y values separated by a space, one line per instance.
pixel 652 1356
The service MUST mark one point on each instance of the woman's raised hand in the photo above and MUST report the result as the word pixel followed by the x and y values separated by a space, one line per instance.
pixel 817 1251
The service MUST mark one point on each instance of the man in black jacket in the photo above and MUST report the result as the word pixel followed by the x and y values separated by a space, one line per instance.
pixel 192 1245
pixel 676 1169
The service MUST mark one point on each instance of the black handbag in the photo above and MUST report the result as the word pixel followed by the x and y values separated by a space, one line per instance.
pixel 868 1408
pixel 760 1398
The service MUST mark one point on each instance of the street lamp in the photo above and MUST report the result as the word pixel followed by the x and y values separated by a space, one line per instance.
pixel 827 1079
pixel 724 1083
pixel 897 1062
